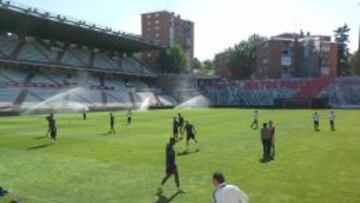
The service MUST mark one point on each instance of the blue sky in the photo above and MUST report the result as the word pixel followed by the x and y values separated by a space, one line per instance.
pixel 218 23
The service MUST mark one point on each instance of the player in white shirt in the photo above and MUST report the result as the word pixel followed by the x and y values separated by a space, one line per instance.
pixel 332 120
pixel 255 123
pixel 226 193
pixel 316 119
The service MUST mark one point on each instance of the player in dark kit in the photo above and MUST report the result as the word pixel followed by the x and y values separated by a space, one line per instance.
pixel 52 127
pixel 171 168
pixel 48 130
pixel 190 132
pixel 175 128
pixel 84 114
pixel 112 123
pixel 128 115
pixel 181 123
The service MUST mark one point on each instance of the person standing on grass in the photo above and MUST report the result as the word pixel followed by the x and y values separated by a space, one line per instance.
pixel 52 127
pixel 332 120
pixel 129 115
pixel 190 132
pixel 171 168
pixel 84 113
pixel 175 128
pixel 112 123
pixel 255 124
pixel 266 142
pixel 181 121
pixel 226 193
pixel 47 118
pixel 316 119
pixel 272 139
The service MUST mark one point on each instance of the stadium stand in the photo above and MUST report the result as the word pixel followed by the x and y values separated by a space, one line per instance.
pixel 54 60
pixel 341 92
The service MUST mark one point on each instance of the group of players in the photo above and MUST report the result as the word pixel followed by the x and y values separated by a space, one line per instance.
pixel 180 126
pixel 52 129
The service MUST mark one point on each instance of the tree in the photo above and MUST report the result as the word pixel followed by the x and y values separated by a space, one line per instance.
pixel 197 65
pixel 342 39
pixel 208 64
pixel 172 60
pixel 243 57
pixel 355 63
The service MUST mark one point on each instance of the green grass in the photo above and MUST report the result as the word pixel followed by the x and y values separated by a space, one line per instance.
pixel 88 166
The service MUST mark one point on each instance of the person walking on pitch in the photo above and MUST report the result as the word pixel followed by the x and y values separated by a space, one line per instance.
pixel 52 127
pixel 255 124
pixel 84 114
pixel 332 120
pixel 129 116
pixel 190 132
pixel 176 128
pixel 112 123
pixel 266 142
pixel 316 119
pixel 181 121
pixel 171 168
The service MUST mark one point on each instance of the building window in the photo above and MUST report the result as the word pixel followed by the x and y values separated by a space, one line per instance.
pixel 285 52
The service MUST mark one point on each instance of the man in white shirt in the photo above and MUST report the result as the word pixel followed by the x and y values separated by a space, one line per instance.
pixel 255 123
pixel 316 119
pixel 226 193
pixel 332 120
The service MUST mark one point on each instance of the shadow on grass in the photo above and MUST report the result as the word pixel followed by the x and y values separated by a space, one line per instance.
pixel 187 152
pixel 163 199
pixel 40 137
pixel 39 146
pixel 265 160
pixel 107 133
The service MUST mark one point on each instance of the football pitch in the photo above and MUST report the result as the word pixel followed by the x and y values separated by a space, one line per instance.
pixel 89 165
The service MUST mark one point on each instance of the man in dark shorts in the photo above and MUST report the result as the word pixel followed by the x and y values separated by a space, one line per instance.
pixel 171 168
pixel 272 138
pixel 112 123
pixel 175 128
pixel 129 115
pixel 52 127
pixel 48 120
pixel 316 119
pixel 181 123
pixel 266 142
pixel 190 132
pixel 84 114
pixel 332 120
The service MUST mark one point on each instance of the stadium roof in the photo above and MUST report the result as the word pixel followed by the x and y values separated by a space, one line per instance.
pixel 21 19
